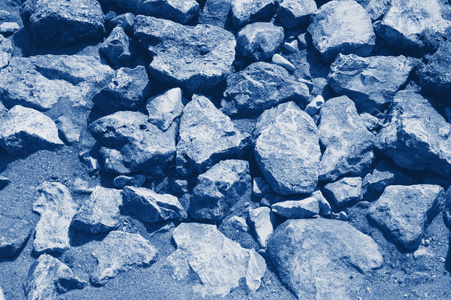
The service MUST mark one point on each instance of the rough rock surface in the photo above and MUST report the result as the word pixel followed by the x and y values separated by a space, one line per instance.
pixel 259 40
pixel 163 109
pixel 215 12
pixel 250 11
pixel 287 149
pixel 262 220
pixel 69 132
pixel 297 209
pixel 344 192
pixel 375 8
pixel 435 75
pixel 14 234
pixel 117 48
pixel 6 51
pixel 292 13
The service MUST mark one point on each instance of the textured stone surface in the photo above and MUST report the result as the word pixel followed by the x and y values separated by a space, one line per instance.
pixel 435 75
pixel 292 13
pixel 163 109
pixel 250 11
pixel 14 234
pixel 6 51
pixel 375 8
pixel 117 48
pixel 69 131
pixel 297 209
pixel 259 40
pixel 344 192
pixel 262 220
pixel 215 12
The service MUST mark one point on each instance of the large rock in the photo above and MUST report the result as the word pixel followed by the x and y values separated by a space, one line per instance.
pixel 259 40
pixel 404 212
pixel 218 189
pixel 260 86
pixel 292 13
pixel 435 75
pixel 14 235
pixel 321 258
pixel 6 51
pixel 250 11
pixel 48 278
pixel 63 23
pixel 163 109
pixel 416 136
pixel 25 130
pixel 119 252
pixel 117 48
pixel 193 58
pixel 287 149
pixel 344 192
pixel 348 143
pixel 215 12
pixel 375 8
pixel 218 262
pixel 370 82
pixel 342 27
pixel 206 136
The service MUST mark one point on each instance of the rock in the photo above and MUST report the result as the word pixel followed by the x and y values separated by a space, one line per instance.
pixel 4 14
pixel 375 8
pixel 48 277
pixel 68 130
pixel 80 186
pixel 313 107
pixel 117 48
pixel 262 220
pixel 2 295
pixel 6 51
pixel 100 213
pixel 165 108
pixel 215 12
pixel 371 82
pixel 206 136
pixel 297 209
pixel 292 13
pixel 404 212
pixel 63 23
pixel 250 11
pixel 8 28
pixel 15 233
pixel 340 216
pixel 371 122
pixel 25 130
pixel 90 163
pixel 149 206
pixel 43 80
pixel 334 31
pixel 56 207
pixel 217 262
pixel 260 187
pixel 321 258
pixel 287 149
pixel 261 86
pixel 218 189
pixel 416 136
pixel 4 181
pixel 259 40
pixel 125 21
pixel 434 76
pixel 324 207
pixel 292 46
pixel 128 89
pixel 282 61
pixel 349 145
pixel 413 27
pixel 208 52
pixel 122 181
pixel 344 192
pixel 119 252
pixel 447 210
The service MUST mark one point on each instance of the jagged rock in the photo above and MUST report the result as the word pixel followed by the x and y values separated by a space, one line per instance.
pixel 260 187
pixel 56 207
pixel 206 136
pixel 125 21
pixel 41 81
pixel 261 86
pixel 100 213
pixel 262 220
pixel 68 130
pixel 416 136
pixel 90 163
pixel 292 13
pixel 128 89
pixel 119 252
pixel 404 212
pixel 6 51
pixel 342 27
pixel 287 149
pixel 250 11
pixel 259 40
pixel 297 209
pixel 48 277
pixel 215 12
pixel 282 61
pixel 348 143
pixel 150 206
pixel 25 130
pixel 219 263
pixel 344 192
pixel 321 258
pixel 165 108
pixel 313 107
pixel 122 181
pixel 435 75
pixel 15 233
pixel 218 189
pixel 208 52
pixel 371 82
pixel 324 207
pixel 375 8
pixel 63 23
pixel 8 28
pixel 117 48
pixel 371 122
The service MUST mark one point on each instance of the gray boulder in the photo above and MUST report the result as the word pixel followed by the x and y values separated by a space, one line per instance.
pixel 297 209
pixel 250 11
pixel 292 13
pixel 117 48
pixel 287 149
pixel 163 109
pixel 321 258
pixel 208 52
pixel 435 75
pixel 416 136
pixel 15 233
pixel 344 192
pixel 261 86
pixel 6 51
pixel 215 12
pixel 259 40
pixel 333 31
pixel 375 8
pixel 404 212
pixel 348 143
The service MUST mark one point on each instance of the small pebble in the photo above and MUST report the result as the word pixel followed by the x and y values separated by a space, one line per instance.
pixel 314 106
pixel 291 46
pixel 282 61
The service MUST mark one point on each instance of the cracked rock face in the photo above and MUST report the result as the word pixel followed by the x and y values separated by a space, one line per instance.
pixel 259 41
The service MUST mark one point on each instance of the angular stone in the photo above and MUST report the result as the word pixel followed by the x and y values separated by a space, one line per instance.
pixel 165 108
pixel 292 13
pixel 14 235
pixel 250 11
pixel 282 61
pixel 261 86
pixel 6 51
pixel 215 12
pixel 348 143
pixel 119 252
pixel 324 207
pixel 262 220
pixel 25 130
pixel 8 28
pixel 287 149
pixel 342 27
pixel 48 277
pixel 344 192
pixel 122 181
pixel 297 209
pixel 150 206
pixel 404 212
pixel 206 136
pixel 375 8
pixel 117 48
pixel 259 40
pixel 68 130
pixel 435 75
pixel 371 82
pixel 218 189
pixel 416 136
pixel 218 262
pixel 321 258
pixel 63 23
pixel 315 105
pixel 260 187
pixel 125 21
pixel 208 52
pixel 56 207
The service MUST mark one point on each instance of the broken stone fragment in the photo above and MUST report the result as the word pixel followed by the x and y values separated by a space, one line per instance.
pixel 259 41
pixel 165 108
pixel 344 192
pixel 122 181
pixel 297 209
pixel 250 11
pixel 118 48
pixel 262 221
pixel 68 130
pixel 6 51
pixel 14 235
